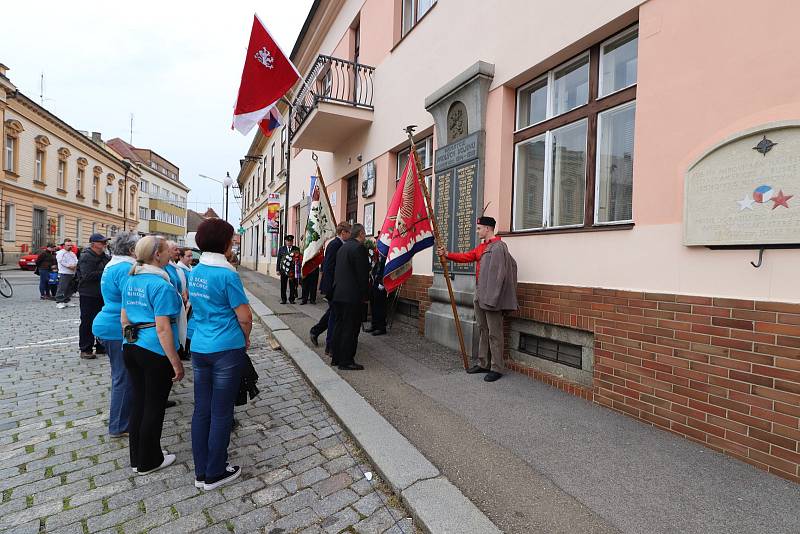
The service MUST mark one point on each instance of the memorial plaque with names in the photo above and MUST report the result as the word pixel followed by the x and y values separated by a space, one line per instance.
pixel 456 198
pixel 746 191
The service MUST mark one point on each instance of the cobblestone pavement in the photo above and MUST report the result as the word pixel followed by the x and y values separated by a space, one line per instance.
pixel 61 473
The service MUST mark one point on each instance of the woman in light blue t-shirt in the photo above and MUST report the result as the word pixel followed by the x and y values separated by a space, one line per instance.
pixel 107 328
pixel 151 306
pixel 221 321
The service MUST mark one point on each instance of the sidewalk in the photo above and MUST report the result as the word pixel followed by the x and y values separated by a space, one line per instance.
pixel 537 460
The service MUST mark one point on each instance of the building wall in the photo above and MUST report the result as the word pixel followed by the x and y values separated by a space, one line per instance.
pixel 149 200
pixel 19 188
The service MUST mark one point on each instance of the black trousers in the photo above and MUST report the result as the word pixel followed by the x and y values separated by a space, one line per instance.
pixel 292 283
pixel 310 284
pixel 151 375
pixel 347 325
pixel 378 300
pixel 90 307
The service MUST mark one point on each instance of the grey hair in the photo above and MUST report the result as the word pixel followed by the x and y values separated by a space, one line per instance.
pixel 124 243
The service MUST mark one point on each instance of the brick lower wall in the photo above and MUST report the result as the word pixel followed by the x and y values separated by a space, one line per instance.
pixel 721 372
pixel 416 289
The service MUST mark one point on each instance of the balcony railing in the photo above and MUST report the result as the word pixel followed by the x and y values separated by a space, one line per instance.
pixel 333 80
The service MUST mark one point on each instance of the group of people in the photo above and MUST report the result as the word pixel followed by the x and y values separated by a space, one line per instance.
pixel 153 303
pixel 57 267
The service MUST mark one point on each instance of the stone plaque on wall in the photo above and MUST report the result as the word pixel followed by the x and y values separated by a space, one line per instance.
pixel 746 190
pixel 456 198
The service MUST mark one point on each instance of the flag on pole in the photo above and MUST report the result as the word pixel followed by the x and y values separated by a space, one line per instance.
pixel 267 75
pixel 407 228
pixel 319 228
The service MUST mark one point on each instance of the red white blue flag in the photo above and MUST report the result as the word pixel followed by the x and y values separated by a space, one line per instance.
pixel 267 75
pixel 319 228
pixel 407 228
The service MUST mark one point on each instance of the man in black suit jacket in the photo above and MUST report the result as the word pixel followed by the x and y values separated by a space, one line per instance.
pixel 326 322
pixel 351 292
pixel 287 260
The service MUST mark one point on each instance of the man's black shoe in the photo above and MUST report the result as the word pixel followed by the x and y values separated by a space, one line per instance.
pixel 477 369
pixel 379 332
pixel 303 302
pixel 170 404
pixel 351 367
pixel 492 376
pixel 283 302
pixel 290 302
pixel 314 340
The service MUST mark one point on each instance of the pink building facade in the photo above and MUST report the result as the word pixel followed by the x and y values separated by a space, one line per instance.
pixel 586 119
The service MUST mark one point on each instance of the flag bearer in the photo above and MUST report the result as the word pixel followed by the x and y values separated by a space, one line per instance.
pixel 495 293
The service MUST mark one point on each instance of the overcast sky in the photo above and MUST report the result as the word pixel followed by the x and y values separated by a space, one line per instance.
pixel 175 65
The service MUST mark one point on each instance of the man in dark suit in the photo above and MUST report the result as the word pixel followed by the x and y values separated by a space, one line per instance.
pixel 326 322
pixel 378 298
pixel 351 292
pixel 287 267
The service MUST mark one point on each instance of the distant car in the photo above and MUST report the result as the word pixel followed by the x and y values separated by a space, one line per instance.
pixel 28 261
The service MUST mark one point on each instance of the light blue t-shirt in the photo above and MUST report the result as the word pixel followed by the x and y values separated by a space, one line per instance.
pixel 106 324
pixel 147 296
pixel 174 279
pixel 214 293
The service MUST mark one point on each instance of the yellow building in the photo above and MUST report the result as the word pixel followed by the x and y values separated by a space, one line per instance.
pixel 57 182
pixel 162 196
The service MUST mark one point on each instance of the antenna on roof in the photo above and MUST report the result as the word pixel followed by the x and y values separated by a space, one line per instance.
pixel 131 137
pixel 41 90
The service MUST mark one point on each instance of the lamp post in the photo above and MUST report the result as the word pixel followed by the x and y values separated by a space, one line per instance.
pixel 227 182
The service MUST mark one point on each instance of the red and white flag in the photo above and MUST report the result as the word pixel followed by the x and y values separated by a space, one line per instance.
pixel 407 228
pixel 267 75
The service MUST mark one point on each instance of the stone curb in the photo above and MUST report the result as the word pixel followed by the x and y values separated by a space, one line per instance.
pixel 436 504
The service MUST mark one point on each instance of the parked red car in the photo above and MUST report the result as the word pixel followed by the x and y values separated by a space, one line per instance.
pixel 28 261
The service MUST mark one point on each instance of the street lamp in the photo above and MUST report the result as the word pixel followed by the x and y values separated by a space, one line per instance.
pixel 227 182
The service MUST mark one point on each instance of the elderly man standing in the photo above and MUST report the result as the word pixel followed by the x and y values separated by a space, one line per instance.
pixel 67 264
pixel 495 293
pixel 351 293
pixel 90 268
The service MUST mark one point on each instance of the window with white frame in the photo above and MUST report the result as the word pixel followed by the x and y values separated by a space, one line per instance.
pixel 62 170
pixel 38 166
pixel 413 10
pixel 145 186
pixel 96 189
pixel 9 222
pixel 424 155
pixel 272 162
pixel 10 153
pixel 61 221
pixel 94 228
pixel 574 141
pixel 79 176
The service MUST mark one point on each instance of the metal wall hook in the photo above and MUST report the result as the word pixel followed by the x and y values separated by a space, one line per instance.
pixel 760 258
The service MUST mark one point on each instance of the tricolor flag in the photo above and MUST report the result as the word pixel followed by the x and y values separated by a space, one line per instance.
pixel 319 228
pixel 267 75
pixel 407 228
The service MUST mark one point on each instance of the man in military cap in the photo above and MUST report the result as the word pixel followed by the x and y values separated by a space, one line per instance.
pixel 495 293
pixel 288 267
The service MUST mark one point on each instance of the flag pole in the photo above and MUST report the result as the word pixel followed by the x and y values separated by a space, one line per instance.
pixel 446 272
pixel 324 188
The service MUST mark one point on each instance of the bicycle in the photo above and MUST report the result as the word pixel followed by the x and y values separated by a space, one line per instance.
pixel 5 287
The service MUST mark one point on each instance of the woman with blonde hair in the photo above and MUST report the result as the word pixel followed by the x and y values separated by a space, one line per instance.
pixel 150 310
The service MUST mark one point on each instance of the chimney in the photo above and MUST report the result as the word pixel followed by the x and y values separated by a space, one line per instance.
pixel 3 69
pixel 97 137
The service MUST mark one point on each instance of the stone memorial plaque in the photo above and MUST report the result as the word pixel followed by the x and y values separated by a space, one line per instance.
pixel 464 236
pixel 442 205
pixel 465 149
pixel 746 190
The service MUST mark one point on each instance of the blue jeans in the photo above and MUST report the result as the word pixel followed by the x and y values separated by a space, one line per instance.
pixel 121 388
pixel 217 376
pixel 44 283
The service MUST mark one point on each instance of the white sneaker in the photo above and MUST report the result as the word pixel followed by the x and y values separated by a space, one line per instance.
pixel 163 451
pixel 61 305
pixel 71 305
pixel 169 459
pixel 232 472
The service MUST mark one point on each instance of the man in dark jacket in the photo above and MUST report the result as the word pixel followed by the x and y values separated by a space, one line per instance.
pixel 90 268
pixel 351 292
pixel 326 322
pixel 287 267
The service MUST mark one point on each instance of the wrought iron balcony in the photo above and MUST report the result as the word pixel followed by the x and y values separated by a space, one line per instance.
pixel 340 93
